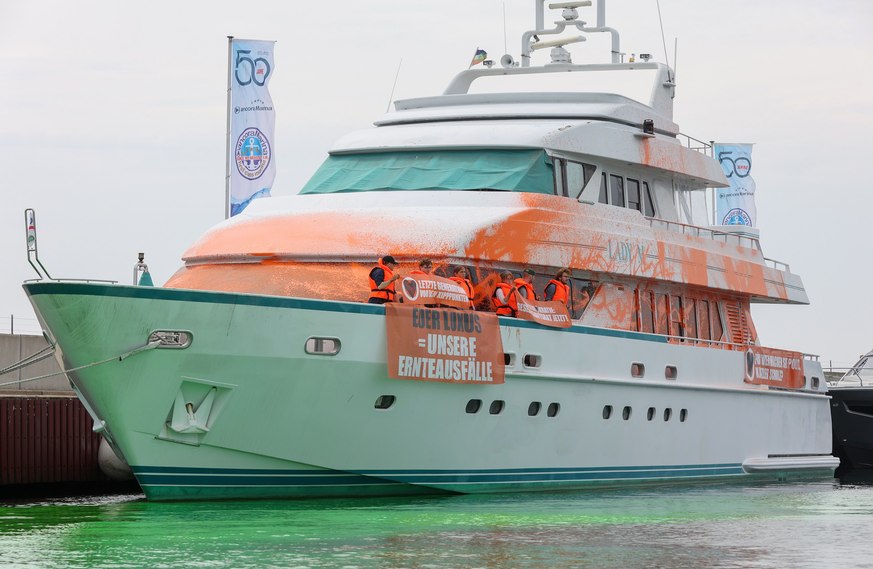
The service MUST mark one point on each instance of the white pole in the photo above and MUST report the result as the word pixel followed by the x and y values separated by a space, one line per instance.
pixel 227 146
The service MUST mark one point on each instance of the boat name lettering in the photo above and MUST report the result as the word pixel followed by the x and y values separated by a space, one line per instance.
pixel 626 251
pixel 444 369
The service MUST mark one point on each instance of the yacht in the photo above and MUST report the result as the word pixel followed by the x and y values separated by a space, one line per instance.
pixel 852 415
pixel 260 370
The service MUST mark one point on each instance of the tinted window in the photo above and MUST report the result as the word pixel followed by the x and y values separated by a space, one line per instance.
pixel 649 202
pixel 634 199
pixel 661 314
pixel 703 319
pixel 575 179
pixel 676 316
pixel 690 318
pixel 647 312
pixel 581 293
pixel 616 190
pixel 717 329
pixel 560 186
pixel 602 198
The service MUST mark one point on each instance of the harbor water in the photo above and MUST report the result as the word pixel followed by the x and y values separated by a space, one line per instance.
pixel 806 524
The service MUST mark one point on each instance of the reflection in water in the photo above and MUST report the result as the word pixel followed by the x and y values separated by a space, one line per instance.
pixel 799 525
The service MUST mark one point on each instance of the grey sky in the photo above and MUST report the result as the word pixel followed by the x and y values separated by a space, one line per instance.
pixel 112 121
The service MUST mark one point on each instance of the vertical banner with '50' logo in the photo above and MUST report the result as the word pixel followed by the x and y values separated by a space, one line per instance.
pixel 253 122
pixel 736 204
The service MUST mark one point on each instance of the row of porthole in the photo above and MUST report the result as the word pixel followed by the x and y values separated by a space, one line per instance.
pixel 627 412
pixel 639 370
pixel 497 406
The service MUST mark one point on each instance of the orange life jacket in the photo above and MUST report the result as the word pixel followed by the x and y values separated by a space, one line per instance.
pixel 468 286
pixel 562 291
pixel 388 292
pixel 504 308
pixel 417 272
pixel 531 295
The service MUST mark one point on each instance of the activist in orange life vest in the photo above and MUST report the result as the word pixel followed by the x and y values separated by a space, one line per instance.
pixel 460 277
pixel 382 279
pixel 503 298
pixel 425 266
pixel 525 288
pixel 559 287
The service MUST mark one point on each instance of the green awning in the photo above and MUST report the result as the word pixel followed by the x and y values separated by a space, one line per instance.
pixel 505 170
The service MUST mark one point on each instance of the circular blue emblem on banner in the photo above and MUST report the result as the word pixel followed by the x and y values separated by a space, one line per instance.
pixel 253 154
pixel 737 216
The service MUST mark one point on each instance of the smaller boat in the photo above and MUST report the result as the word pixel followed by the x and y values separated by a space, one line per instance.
pixel 852 414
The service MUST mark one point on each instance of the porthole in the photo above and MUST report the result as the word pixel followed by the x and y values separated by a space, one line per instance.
pixel 670 372
pixel 683 414
pixel 322 346
pixel 508 359
pixel 607 411
pixel 553 410
pixel 532 361
pixel 668 413
pixel 650 414
pixel 496 407
pixel 473 406
pixel 385 402
pixel 626 413
pixel 534 409
pixel 638 370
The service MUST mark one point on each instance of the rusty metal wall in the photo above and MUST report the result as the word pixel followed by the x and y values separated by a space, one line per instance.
pixel 47 439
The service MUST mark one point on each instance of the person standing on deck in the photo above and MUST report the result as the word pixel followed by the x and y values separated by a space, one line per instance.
pixel 503 298
pixel 559 287
pixel 525 288
pixel 382 279
pixel 460 277
pixel 425 266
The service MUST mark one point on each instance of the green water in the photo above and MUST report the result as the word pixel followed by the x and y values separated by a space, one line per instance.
pixel 782 525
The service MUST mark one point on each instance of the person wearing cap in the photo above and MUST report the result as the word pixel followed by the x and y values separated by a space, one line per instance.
pixel 559 287
pixel 503 297
pixel 460 277
pixel 525 288
pixel 382 280
pixel 425 266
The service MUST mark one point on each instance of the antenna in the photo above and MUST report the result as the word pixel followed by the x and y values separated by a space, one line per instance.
pixel 388 110
pixel 667 57
pixel 504 28
pixel 675 56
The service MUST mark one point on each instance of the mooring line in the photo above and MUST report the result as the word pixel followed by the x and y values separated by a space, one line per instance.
pixel 149 346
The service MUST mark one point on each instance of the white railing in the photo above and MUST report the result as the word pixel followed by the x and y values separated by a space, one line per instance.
pixel 697 145
pixel 697 231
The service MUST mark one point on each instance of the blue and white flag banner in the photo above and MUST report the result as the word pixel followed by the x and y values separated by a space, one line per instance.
pixel 253 123
pixel 735 205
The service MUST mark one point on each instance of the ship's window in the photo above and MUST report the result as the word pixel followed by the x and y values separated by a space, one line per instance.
pixel 650 414
pixel 670 372
pixel 575 179
pixel 690 318
pixel 662 314
pixel 717 328
pixel 509 359
pixel 616 190
pixel 703 319
pixel 815 383
pixel 496 407
pixel 607 411
pixel 447 271
pixel 553 410
pixel 683 414
pixel 634 198
pixel 649 202
pixel 473 406
pixel 626 413
pixel 603 190
pixel 638 370
pixel 581 293
pixel 668 413
pixel 676 328
pixel 385 402
pixel 647 311
pixel 322 346
pixel 534 408
pixel 560 186
pixel 532 360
